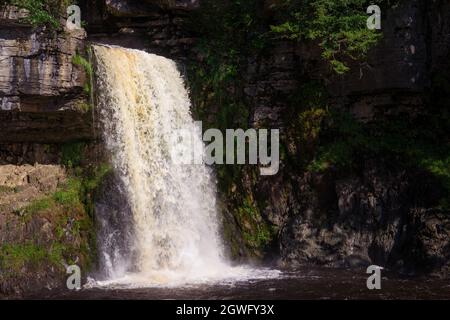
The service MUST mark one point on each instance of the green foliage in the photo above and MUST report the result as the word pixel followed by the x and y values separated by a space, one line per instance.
pixel 71 208
pixel 306 120
pixel 411 143
pixel 13 257
pixel 81 61
pixel 95 179
pixel 339 26
pixel 333 138
pixel 38 205
pixel 76 191
pixel 69 195
pixel 231 32
pixel 72 154
pixel 256 232
pixel 41 12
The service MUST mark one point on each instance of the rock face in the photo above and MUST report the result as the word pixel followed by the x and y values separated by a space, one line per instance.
pixel 376 218
pixel 23 184
pixel 35 64
pixel 156 26
pixel 270 81
pixel 133 8
pixel 379 214
pixel 38 81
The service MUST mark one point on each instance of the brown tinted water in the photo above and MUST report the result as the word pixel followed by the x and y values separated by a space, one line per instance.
pixel 302 284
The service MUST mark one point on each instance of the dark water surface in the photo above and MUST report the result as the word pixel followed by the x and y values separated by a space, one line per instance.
pixel 301 284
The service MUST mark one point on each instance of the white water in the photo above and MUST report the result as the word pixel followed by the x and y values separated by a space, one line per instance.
pixel 142 100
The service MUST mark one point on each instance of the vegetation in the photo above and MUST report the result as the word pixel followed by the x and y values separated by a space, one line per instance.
pixel 70 211
pixel 339 26
pixel 36 206
pixel 256 232
pixel 72 154
pixel 41 12
pixel 13 257
pixel 81 61
pixel 331 138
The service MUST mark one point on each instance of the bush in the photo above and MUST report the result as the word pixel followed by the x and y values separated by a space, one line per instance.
pixel 79 60
pixel 41 12
pixel 339 26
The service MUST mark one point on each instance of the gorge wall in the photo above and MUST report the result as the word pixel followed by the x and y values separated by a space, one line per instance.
pixel 375 208
pixel 46 130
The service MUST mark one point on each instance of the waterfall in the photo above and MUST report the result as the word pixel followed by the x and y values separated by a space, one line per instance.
pixel 142 100
pixel 174 237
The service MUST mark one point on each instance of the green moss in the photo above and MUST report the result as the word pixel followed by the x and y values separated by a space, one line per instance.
pixel 13 257
pixel 57 252
pixel 69 194
pixel 256 232
pixel 38 205
pixel 84 107
pixel 81 61
pixel 96 177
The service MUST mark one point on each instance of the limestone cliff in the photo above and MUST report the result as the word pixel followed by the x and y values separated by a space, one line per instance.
pixel 44 224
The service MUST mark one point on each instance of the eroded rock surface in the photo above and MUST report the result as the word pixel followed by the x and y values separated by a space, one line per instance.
pixel 41 90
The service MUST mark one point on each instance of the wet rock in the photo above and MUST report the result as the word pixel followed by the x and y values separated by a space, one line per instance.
pixel 377 221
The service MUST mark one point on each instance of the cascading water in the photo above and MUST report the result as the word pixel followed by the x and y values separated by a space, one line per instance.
pixel 142 100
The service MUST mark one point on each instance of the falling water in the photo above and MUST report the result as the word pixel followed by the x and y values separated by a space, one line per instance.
pixel 175 238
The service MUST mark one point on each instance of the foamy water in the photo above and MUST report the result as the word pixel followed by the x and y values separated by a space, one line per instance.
pixel 175 237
